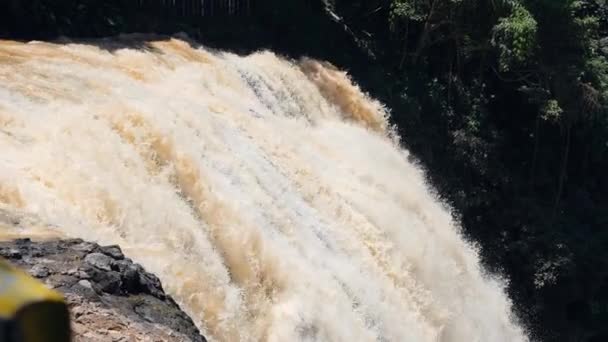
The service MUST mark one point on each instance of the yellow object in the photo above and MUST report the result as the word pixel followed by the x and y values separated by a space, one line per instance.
pixel 29 311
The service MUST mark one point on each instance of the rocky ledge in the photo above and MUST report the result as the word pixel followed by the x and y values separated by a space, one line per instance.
pixel 110 297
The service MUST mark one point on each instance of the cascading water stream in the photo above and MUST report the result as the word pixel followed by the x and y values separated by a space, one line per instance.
pixel 270 196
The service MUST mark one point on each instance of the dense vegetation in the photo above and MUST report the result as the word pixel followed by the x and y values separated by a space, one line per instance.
pixel 505 102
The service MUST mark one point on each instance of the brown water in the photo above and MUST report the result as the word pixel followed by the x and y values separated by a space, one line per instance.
pixel 270 196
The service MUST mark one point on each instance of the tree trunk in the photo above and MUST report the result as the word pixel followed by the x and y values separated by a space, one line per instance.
pixel 421 42
pixel 563 172
pixel 424 37
pixel 535 153
pixel 405 45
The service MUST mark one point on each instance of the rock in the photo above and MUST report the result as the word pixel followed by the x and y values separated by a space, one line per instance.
pixel 85 283
pixel 39 271
pixel 58 280
pixel 83 272
pixel 110 297
pixel 23 241
pixel 130 279
pixel 101 261
pixel 151 284
pixel 112 251
pixel 11 253
pixel 83 246
pixel 71 271
pixel 123 265
pixel 108 282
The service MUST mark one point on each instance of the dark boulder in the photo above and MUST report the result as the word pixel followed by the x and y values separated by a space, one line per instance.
pixel 109 295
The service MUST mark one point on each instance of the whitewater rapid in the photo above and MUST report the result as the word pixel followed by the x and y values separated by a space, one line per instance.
pixel 270 196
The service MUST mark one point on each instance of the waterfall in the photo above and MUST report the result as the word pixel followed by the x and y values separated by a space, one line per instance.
pixel 271 196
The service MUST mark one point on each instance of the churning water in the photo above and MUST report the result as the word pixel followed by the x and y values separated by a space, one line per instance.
pixel 270 196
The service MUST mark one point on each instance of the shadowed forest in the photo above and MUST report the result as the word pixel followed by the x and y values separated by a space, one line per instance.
pixel 503 102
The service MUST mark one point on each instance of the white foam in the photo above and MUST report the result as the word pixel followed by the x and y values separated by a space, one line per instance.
pixel 269 196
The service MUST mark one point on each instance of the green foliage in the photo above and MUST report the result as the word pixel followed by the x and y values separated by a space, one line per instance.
pixel 597 70
pixel 507 106
pixel 407 10
pixel 551 111
pixel 515 38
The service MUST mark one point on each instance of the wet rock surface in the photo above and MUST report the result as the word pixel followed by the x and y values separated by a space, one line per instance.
pixel 111 298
